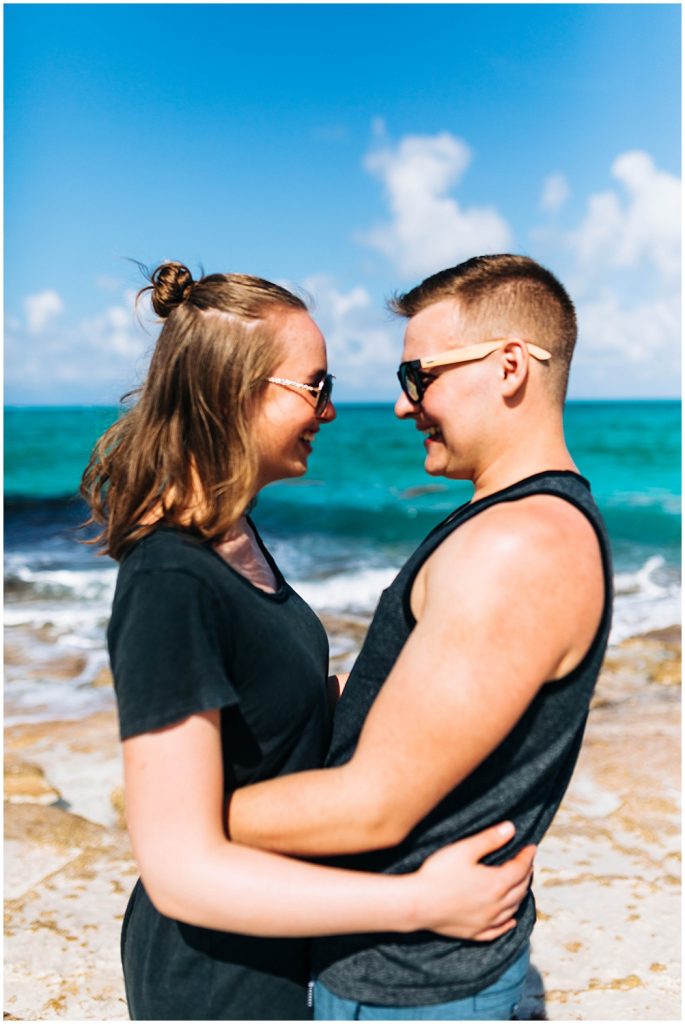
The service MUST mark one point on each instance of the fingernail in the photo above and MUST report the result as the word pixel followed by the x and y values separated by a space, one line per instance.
pixel 506 828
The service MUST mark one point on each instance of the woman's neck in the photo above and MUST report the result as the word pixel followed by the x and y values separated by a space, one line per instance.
pixel 240 549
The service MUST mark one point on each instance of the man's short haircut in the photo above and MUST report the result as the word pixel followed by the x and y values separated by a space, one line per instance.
pixel 505 295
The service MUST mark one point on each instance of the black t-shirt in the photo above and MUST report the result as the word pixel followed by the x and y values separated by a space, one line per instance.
pixel 188 634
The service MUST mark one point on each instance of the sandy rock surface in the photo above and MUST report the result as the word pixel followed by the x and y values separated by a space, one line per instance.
pixel 607 877
pixel 606 946
pixel 68 871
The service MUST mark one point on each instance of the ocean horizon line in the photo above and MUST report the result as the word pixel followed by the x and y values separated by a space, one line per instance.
pixel 351 403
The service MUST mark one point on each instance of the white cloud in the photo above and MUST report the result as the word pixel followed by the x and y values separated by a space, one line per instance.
pixel 114 332
pixel 40 309
pixel 356 330
pixel 555 192
pixel 97 356
pixel 638 331
pixel 429 229
pixel 638 224
pixel 624 274
pixel 108 283
pixel 102 356
pixel 627 347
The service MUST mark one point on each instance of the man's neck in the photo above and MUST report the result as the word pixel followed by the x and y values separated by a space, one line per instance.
pixel 520 458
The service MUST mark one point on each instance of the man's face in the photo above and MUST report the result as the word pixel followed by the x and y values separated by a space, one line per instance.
pixel 453 413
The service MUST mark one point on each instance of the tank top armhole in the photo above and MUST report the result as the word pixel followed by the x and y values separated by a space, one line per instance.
pixel 603 624
pixel 410 619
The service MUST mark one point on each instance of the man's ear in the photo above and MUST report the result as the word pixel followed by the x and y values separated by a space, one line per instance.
pixel 514 360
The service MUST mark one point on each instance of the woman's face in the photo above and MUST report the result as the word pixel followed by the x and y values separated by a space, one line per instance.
pixel 286 423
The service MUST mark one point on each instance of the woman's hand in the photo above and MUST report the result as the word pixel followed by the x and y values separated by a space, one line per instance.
pixel 464 899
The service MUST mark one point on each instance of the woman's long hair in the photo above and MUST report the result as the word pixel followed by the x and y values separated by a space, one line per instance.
pixel 185 445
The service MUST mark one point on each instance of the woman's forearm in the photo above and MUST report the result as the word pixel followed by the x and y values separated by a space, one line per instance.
pixel 192 873
pixel 174 790
pixel 233 888
pixel 229 887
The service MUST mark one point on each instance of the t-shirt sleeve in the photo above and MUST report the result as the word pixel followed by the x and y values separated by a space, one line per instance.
pixel 167 643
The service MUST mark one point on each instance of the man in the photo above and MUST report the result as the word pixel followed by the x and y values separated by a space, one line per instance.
pixel 468 701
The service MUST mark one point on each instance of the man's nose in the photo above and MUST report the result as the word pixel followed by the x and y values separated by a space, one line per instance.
pixel 404 408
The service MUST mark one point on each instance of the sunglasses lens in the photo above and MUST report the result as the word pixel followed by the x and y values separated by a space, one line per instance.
pixel 324 395
pixel 410 382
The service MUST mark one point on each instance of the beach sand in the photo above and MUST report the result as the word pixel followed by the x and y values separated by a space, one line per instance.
pixel 607 877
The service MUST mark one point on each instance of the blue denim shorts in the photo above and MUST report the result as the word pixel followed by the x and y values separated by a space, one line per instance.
pixel 496 1002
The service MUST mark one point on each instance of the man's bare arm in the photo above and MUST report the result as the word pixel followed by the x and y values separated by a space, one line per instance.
pixel 506 605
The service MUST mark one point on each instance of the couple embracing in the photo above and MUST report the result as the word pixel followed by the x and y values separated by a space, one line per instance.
pixel 374 834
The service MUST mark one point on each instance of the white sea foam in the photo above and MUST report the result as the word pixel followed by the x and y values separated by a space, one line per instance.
pixel 92 584
pixel 43 702
pixel 663 501
pixel 647 599
pixel 80 616
pixel 354 592
pixel 78 602
pixel 76 616
pixel 75 602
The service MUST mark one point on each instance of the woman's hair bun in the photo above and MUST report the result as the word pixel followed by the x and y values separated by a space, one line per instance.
pixel 171 286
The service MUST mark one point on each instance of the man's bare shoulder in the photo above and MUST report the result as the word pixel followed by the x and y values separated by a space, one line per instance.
pixel 532 567
pixel 541 528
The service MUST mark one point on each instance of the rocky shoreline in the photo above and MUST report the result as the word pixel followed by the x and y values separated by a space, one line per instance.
pixel 607 880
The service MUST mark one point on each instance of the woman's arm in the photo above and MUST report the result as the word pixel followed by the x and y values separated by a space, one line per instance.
pixel 191 872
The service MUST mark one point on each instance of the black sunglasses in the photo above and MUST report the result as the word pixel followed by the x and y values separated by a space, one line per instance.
pixel 413 377
pixel 413 380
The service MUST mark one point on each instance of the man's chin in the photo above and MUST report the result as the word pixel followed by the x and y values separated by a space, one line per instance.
pixel 433 470
pixel 449 473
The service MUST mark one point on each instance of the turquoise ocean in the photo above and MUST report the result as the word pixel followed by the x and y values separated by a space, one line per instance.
pixel 339 534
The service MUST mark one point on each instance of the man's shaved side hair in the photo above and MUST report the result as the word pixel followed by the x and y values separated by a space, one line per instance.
pixel 505 295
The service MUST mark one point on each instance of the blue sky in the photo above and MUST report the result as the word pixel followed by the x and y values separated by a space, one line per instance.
pixel 349 149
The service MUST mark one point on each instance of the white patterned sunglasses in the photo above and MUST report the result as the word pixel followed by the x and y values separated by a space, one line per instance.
pixel 322 391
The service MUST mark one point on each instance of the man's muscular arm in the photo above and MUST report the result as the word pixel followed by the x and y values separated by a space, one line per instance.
pixel 507 602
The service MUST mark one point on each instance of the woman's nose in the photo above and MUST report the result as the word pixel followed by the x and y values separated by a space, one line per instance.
pixel 329 413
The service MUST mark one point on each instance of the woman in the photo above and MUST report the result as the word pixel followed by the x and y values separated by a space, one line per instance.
pixel 220 669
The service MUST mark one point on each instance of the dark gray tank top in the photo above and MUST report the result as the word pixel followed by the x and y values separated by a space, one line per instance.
pixel 523 780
